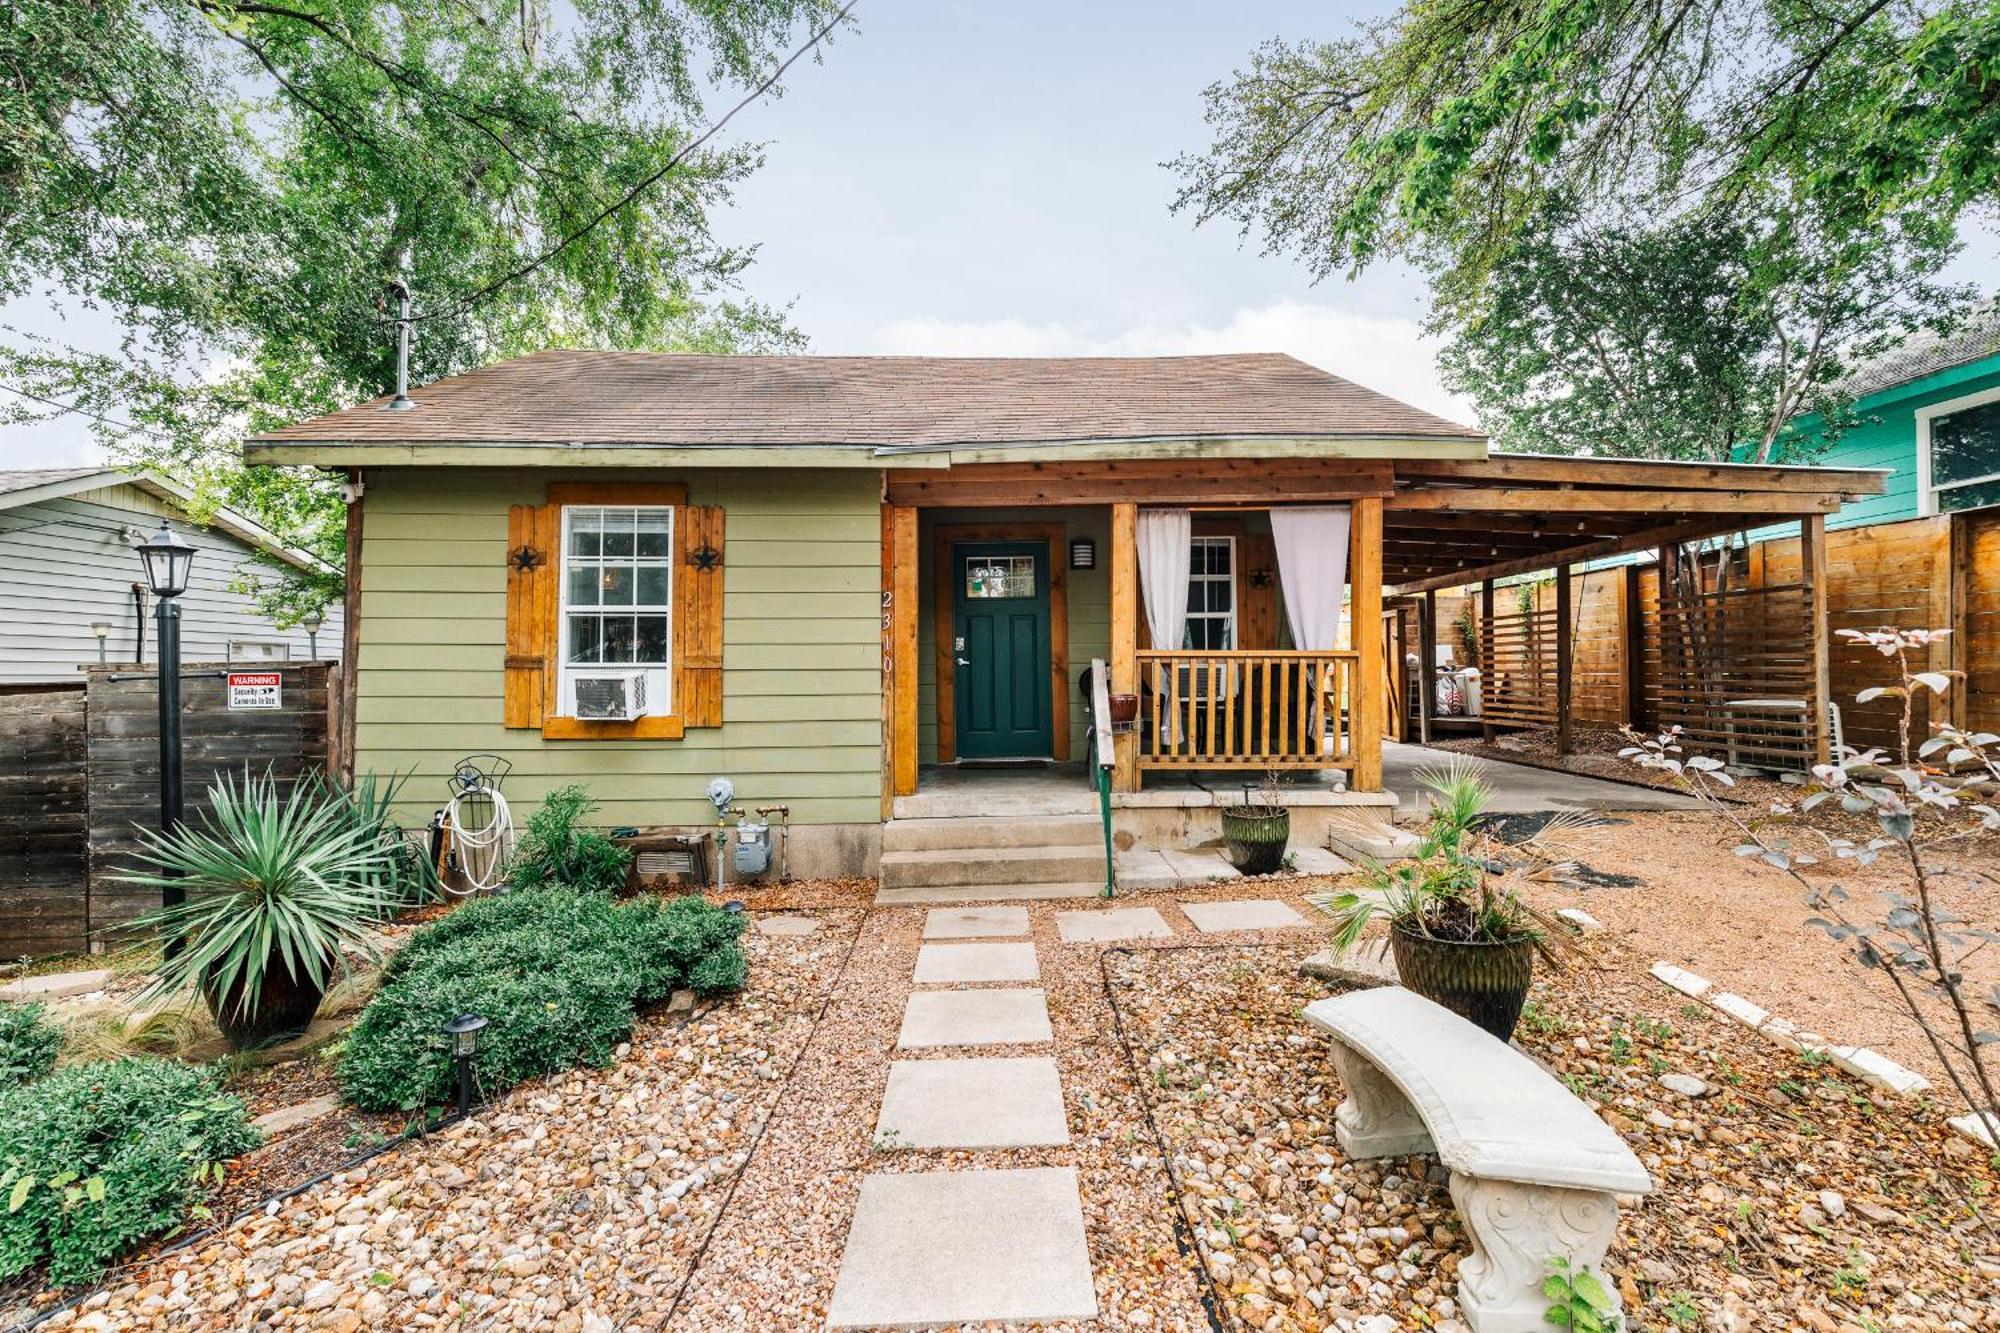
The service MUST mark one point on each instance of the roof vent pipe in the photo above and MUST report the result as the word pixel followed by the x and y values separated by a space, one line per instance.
pixel 402 402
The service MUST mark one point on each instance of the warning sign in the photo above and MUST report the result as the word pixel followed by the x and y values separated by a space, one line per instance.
pixel 255 689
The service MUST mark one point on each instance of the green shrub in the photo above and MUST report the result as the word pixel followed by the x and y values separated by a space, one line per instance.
pixel 28 1043
pixel 97 1157
pixel 557 973
pixel 556 852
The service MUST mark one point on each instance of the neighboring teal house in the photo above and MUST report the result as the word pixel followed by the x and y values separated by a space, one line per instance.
pixel 1930 412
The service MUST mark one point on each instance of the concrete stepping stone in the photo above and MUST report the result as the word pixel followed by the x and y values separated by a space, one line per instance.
pixel 55 986
pixel 974 1103
pixel 302 1113
pixel 950 964
pixel 954 1247
pixel 787 925
pixel 1242 914
pixel 975 1018
pixel 972 923
pixel 1112 923
pixel 1320 861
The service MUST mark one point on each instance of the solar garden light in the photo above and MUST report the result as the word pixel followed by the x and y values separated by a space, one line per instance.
pixel 310 623
pixel 167 557
pixel 464 1033
pixel 102 629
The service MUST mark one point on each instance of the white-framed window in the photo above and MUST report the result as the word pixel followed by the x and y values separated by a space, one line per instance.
pixel 617 615
pixel 259 650
pixel 1211 618
pixel 1958 453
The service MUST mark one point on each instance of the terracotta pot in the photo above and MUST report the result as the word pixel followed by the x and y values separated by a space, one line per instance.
pixel 1254 837
pixel 285 1008
pixel 1483 983
pixel 1124 709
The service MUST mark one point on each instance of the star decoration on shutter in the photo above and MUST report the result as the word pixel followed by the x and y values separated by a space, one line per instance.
pixel 705 558
pixel 525 558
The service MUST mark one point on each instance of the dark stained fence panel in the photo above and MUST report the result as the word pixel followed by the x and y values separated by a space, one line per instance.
pixel 44 903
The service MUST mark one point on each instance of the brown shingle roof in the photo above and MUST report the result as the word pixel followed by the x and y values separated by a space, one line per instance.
pixel 888 402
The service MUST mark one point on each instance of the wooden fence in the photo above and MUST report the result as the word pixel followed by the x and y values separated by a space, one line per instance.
pixel 79 769
pixel 1633 665
pixel 43 901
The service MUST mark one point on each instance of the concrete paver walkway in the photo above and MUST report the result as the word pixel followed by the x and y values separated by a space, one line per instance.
pixel 1242 914
pixel 1112 923
pixel 981 1245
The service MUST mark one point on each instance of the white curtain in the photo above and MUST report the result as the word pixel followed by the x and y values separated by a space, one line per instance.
pixel 1312 569
pixel 1166 545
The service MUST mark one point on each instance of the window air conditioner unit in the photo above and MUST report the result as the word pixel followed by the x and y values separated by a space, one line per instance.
pixel 619 698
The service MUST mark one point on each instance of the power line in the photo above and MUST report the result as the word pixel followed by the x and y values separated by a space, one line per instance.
pixel 113 422
pixel 611 210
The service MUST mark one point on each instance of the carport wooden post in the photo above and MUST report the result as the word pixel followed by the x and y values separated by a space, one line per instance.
pixel 1634 648
pixel 1565 657
pixel 1487 671
pixel 1125 636
pixel 1812 560
pixel 1364 564
pixel 1427 641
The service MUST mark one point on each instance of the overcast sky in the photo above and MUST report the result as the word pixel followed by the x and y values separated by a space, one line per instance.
pixel 961 177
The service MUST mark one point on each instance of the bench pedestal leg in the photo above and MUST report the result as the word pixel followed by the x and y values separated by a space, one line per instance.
pixel 1376 1120
pixel 1516 1229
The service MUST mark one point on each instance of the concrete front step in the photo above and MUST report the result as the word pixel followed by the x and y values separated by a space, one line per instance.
pixel 991 865
pixel 970 834
pixel 919 895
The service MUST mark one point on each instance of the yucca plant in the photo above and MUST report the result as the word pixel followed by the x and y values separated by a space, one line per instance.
pixel 279 885
pixel 407 877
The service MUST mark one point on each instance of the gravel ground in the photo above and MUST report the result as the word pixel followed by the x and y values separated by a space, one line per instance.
pixel 1789 1197
pixel 572 1203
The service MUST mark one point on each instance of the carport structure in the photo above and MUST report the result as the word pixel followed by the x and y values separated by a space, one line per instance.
pixel 1741 669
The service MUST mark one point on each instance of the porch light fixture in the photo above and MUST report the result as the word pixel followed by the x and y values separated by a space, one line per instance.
pixel 464 1033
pixel 1083 553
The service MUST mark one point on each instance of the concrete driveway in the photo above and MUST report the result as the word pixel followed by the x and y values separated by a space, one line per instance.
pixel 1519 789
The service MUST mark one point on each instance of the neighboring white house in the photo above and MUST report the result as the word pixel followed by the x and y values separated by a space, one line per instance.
pixel 68 568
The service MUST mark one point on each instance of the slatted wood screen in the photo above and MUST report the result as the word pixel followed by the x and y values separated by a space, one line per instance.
pixel 1977 574
pixel 1733 670
pixel 1517 653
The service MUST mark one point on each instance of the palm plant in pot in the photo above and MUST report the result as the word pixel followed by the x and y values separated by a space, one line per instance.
pixel 1457 939
pixel 280 888
pixel 1256 831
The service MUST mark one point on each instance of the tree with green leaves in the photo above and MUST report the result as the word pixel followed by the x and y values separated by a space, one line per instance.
pixel 240 181
pixel 1551 167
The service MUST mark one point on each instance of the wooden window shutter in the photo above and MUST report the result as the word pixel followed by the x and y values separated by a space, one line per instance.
pixel 533 534
pixel 698 617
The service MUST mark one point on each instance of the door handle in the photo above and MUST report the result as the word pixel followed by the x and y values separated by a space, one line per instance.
pixel 963 661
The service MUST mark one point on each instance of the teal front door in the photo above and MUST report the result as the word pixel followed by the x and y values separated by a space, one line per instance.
pixel 1000 629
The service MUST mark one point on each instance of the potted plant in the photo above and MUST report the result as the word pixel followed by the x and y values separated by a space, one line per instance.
pixel 280 887
pixel 1255 833
pixel 1457 939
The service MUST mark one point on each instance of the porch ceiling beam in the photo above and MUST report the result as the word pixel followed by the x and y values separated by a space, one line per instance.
pixel 1647 472
pixel 1669 533
pixel 1141 481
pixel 1432 520
pixel 1529 500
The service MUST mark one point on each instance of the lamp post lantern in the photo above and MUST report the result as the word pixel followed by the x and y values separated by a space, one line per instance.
pixel 310 623
pixel 167 557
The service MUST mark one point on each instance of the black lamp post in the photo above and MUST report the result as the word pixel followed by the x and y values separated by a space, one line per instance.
pixel 464 1033
pixel 167 557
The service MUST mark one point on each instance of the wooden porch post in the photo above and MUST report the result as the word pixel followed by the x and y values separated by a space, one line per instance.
pixel 1812 562
pixel 1364 564
pixel 1564 658
pixel 899 660
pixel 1125 635
pixel 1489 673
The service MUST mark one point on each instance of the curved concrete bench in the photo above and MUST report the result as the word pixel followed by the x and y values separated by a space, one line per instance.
pixel 1534 1172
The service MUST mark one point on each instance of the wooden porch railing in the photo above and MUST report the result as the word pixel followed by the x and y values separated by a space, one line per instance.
pixel 1247 709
